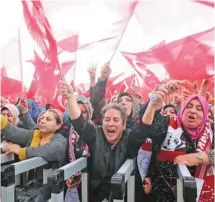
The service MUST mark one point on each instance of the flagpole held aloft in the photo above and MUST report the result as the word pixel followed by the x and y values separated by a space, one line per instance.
pixel 20 59
pixel 133 6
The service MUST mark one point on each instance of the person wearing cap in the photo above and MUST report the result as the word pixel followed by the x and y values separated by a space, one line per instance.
pixel 76 146
pixel 43 142
pixel 85 106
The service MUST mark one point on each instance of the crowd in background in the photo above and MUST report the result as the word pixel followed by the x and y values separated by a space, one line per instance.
pixel 175 125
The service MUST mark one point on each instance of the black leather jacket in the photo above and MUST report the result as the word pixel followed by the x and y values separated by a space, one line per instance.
pixel 105 159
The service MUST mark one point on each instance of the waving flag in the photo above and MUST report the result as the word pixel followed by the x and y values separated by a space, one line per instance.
pixel 206 2
pixel 36 30
pixel 40 29
pixel 69 44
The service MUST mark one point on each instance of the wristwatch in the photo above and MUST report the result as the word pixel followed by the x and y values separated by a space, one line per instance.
pixel 200 157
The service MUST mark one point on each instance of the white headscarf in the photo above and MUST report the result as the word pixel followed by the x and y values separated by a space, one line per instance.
pixel 14 111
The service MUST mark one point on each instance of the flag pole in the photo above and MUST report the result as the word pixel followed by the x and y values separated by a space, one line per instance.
pixel 20 58
pixel 120 39
pixel 75 68
pixel 75 65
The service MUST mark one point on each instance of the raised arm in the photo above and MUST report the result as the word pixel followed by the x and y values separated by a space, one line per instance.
pixel 16 135
pixel 97 91
pixel 157 100
pixel 81 126
pixel 27 121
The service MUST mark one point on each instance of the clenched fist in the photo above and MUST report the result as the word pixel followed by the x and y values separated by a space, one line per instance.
pixel 66 90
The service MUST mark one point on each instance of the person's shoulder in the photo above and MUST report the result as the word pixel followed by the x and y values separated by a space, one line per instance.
pixel 99 129
pixel 59 137
pixel 127 131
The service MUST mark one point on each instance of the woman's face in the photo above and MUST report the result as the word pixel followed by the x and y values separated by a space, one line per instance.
pixel 48 122
pixel 84 111
pixel 113 125
pixel 193 114
pixel 127 103
pixel 8 116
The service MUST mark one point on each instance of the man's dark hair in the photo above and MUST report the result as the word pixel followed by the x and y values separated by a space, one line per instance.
pixel 170 105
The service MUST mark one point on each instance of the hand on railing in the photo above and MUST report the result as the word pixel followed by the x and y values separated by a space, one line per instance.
pixel 11 148
pixel 147 185
pixel 74 181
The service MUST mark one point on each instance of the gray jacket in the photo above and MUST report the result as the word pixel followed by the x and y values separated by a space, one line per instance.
pixel 28 122
pixel 53 152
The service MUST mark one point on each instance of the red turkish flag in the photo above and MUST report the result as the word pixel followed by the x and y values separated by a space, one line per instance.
pixel 206 2
pixel 187 55
pixel 69 44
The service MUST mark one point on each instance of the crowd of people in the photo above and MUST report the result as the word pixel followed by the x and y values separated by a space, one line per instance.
pixel 109 133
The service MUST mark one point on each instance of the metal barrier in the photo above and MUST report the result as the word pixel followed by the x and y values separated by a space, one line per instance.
pixel 9 172
pixel 186 185
pixel 118 182
pixel 5 158
pixel 57 177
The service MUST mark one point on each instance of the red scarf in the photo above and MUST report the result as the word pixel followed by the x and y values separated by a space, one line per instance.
pixel 175 145
pixel 206 172
pixel 73 137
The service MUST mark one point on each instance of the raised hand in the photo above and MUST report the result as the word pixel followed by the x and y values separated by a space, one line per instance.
pixel 23 105
pixel 92 72
pixel 74 181
pixel 161 92
pixel 105 72
pixel 158 97
pixel 147 185
pixel 66 90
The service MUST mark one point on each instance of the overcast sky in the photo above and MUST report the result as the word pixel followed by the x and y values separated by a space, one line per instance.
pixel 153 22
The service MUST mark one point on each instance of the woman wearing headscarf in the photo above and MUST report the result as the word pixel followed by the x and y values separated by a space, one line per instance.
pixel 44 142
pixel 11 112
pixel 133 108
pixel 76 146
pixel 190 132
